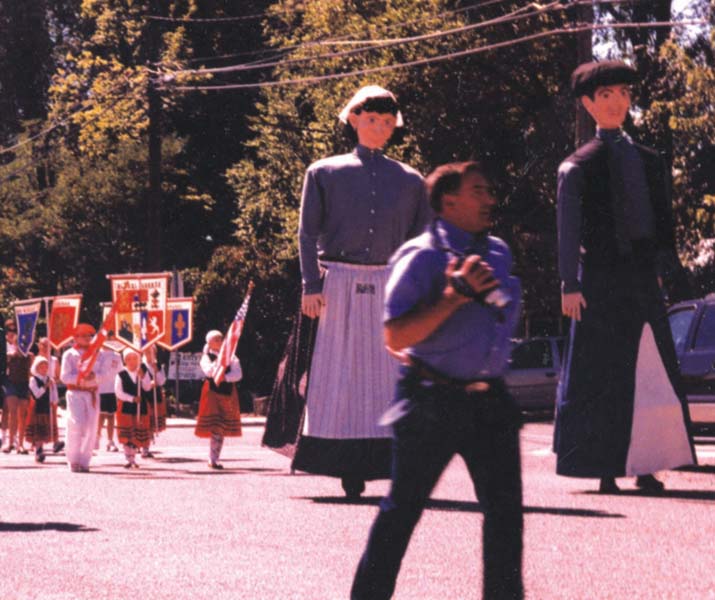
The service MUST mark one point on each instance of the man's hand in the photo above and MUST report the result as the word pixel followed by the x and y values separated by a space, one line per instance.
pixel 312 305
pixel 475 272
pixel 571 305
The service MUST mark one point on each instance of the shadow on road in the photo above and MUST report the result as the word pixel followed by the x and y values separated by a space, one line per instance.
pixel 698 469
pixel 467 506
pixel 666 495
pixel 49 526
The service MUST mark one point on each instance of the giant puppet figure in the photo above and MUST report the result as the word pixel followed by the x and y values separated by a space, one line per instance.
pixel 356 210
pixel 620 410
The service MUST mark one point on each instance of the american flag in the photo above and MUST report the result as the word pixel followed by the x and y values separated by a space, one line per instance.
pixel 89 357
pixel 230 340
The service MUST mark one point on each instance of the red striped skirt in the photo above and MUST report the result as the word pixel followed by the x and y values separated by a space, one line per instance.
pixel 218 414
pixel 133 429
pixel 37 427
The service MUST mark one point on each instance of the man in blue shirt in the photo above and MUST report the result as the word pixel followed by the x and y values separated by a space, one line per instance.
pixel 451 307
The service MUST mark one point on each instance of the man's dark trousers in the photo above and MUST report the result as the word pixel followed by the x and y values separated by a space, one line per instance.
pixel 443 420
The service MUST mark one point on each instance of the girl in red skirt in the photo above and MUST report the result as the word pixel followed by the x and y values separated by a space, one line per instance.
pixel 37 431
pixel 132 411
pixel 219 413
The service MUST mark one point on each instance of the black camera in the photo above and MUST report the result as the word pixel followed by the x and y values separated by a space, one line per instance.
pixel 496 297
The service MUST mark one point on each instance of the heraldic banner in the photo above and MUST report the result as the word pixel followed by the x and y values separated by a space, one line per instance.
pixel 140 302
pixel 111 342
pixel 64 316
pixel 27 313
pixel 179 323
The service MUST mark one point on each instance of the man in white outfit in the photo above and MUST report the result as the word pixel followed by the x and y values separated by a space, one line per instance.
pixel 82 402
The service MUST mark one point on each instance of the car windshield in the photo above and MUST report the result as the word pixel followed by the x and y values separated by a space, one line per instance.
pixel 680 325
pixel 705 336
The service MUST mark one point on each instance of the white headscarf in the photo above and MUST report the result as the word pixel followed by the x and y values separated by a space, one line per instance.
pixel 36 363
pixel 127 351
pixel 366 93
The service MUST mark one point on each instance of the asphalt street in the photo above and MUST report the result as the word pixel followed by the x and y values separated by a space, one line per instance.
pixel 175 530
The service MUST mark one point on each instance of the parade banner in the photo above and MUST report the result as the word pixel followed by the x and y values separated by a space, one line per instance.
pixel 63 319
pixel 179 323
pixel 111 342
pixel 139 301
pixel 27 314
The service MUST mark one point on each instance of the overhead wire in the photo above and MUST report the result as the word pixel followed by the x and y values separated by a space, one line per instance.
pixel 33 161
pixel 515 15
pixel 458 54
pixel 55 124
pixel 344 39
pixel 379 44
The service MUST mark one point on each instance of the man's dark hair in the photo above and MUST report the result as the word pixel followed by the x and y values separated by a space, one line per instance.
pixel 446 179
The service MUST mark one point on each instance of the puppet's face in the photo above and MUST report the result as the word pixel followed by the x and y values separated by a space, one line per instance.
pixel 610 105
pixel 373 129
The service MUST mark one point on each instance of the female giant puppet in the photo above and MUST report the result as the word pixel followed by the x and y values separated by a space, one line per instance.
pixel 356 210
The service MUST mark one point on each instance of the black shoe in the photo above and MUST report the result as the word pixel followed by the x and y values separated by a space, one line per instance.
pixel 215 465
pixel 608 486
pixel 353 487
pixel 58 447
pixel 648 483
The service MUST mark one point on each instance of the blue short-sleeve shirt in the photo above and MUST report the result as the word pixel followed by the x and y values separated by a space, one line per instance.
pixel 474 342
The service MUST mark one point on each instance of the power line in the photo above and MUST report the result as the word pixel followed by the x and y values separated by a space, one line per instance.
pixel 443 57
pixel 208 20
pixel 377 44
pixel 344 39
pixel 58 124
pixel 380 44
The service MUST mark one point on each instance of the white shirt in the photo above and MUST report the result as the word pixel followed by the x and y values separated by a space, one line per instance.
pixel 111 363
pixel 119 387
pixel 209 368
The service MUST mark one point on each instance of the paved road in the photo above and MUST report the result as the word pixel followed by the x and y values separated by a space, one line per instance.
pixel 175 530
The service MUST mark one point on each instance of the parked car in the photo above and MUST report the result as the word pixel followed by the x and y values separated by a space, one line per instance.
pixel 533 372
pixel 692 323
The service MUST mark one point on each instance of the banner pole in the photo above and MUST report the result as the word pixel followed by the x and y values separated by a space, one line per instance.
pixel 46 300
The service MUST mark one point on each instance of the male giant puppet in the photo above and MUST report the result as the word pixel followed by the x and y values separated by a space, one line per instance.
pixel 356 210
pixel 620 410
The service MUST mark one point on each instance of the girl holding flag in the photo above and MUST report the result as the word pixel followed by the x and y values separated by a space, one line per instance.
pixel 219 413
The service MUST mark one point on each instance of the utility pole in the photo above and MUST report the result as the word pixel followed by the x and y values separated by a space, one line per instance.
pixel 584 53
pixel 154 201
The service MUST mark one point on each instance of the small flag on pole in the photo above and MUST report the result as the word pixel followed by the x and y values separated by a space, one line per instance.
pixel 90 355
pixel 230 341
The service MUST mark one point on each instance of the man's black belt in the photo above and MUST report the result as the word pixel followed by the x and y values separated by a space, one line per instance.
pixel 425 372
